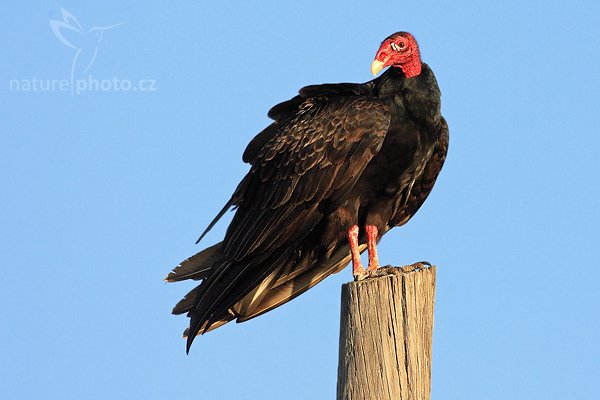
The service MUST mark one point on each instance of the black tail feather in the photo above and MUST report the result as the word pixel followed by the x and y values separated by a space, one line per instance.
pixel 197 266
pixel 216 219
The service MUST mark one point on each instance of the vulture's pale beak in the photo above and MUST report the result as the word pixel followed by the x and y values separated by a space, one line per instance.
pixel 376 66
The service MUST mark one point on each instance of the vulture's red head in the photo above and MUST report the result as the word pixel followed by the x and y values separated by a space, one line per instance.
pixel 400 50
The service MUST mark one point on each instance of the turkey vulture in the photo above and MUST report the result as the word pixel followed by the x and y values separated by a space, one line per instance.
pixel 340 166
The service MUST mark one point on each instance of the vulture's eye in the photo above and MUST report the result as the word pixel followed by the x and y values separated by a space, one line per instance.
pixel 398 46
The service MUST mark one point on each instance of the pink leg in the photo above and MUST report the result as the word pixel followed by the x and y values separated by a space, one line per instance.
pixel 357 268
pixel 372 247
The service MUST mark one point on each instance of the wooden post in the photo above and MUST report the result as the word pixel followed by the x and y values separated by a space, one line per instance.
pixel 385 336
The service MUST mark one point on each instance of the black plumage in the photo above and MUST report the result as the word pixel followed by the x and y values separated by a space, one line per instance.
pixel 336 155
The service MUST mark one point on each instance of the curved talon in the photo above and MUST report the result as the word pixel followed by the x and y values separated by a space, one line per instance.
pixel 361 276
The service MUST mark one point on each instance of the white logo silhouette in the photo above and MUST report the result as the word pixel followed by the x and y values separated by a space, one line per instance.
pixel 70 33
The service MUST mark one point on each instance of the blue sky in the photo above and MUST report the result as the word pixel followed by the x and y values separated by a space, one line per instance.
pixel 105 190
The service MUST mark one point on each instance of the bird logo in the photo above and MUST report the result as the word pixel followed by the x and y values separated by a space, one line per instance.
pixel 85 43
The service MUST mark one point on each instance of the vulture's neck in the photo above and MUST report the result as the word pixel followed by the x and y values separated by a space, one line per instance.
pixel 418 96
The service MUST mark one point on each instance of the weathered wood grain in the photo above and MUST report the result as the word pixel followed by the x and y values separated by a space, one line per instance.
pixel 386 333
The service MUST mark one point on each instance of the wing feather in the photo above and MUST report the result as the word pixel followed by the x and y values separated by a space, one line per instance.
pixel 318 152
pixel 343 133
